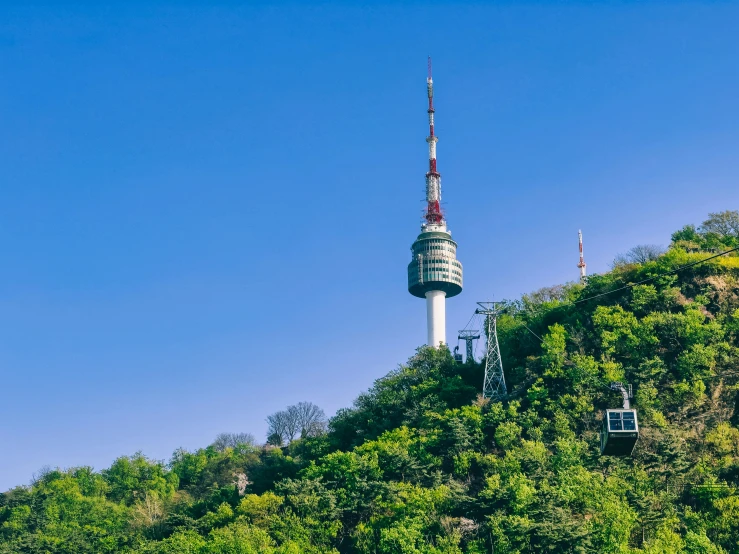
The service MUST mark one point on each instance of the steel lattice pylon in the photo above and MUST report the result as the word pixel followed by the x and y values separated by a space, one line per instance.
pixel 494 385
pixel 469 335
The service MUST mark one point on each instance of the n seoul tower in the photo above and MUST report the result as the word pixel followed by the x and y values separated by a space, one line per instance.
pixel 434 272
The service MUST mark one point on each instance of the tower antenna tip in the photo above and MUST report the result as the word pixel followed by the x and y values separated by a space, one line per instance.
pixel 429 67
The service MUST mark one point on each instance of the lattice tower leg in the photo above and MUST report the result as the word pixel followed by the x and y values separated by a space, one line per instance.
pixel 494 386
pixel 470 353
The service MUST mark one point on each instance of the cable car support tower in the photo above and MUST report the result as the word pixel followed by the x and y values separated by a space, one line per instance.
pixel 468 336
pixel 494 386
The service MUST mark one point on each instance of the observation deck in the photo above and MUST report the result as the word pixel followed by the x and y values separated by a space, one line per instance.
pixel 434 264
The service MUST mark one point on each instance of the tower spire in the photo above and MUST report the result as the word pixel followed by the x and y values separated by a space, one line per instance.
pixel 433 214
pixel 581 265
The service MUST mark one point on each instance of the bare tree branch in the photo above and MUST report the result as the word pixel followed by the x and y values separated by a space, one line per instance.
pixel 232 440
pixel 725 224
pixel 640 254
pixel 311 420
pixel 304 419
pixel 283 425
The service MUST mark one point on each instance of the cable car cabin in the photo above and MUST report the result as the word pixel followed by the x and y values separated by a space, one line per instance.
pixel 620 433
pixel 457 355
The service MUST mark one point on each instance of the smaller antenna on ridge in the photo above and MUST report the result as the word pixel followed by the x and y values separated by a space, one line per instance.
pixel 582 264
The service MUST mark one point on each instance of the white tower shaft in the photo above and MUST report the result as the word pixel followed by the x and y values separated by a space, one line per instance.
pixel 436 317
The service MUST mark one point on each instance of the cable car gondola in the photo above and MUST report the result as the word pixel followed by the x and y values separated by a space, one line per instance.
pixel 457 355
pixel 620 427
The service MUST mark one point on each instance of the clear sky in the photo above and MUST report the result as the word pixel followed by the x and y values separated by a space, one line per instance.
pixel 206 212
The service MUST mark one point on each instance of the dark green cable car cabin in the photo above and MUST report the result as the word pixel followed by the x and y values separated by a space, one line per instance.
pixel 620 433
pixel 620 427
pixel 457 355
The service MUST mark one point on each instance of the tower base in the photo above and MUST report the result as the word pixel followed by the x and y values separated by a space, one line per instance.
pixel 436 317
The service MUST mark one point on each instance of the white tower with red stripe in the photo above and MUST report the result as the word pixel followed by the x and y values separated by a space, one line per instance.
pixel 434 272
pixel 581 265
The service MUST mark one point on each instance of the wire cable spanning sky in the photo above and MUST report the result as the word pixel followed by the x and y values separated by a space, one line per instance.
pixel 654 277
pixel 191 197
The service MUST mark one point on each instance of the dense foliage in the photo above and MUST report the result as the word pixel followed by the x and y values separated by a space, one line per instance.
pixel 421 464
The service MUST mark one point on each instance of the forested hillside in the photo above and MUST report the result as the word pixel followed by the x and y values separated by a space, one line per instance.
pixel 421 464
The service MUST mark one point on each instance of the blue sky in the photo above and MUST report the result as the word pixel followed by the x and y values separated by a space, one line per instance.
pixel 206 211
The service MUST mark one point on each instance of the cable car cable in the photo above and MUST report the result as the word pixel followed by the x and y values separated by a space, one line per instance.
pixel 672 272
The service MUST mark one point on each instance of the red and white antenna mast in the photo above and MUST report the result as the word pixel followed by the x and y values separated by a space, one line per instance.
pixel 433 214
pixel 581 265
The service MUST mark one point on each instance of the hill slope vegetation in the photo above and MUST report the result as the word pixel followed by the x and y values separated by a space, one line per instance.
pixel 421 464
